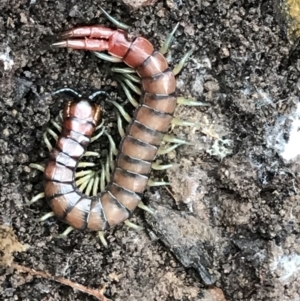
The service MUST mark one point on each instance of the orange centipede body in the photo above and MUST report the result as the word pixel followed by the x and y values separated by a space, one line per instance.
pixel 138 148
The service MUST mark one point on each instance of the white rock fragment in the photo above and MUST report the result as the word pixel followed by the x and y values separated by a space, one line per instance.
pixel 286 266
pixel 291 149
pixel 6 59
pixel 288 149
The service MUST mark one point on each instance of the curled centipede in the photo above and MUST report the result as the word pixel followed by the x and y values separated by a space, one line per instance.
pixel 140 144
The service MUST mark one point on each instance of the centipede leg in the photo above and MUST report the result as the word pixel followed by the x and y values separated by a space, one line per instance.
pixel 96 137
pixel 53 134
pixel 84 181
pixel 47 142
pixel 157 166
pixel 176 121
pixel 42 194
pixel 180 65
pixel 128 93
pixel 122 111
pixel 46 216
pixel 37 166
pixel 91 154
pixel 66 232
pixel 124 70
pixel 107 169
pixel 82 173
pixel 96 184
pixel 36 198
pixel 114 21
pixel 90 185
pixel 146 208
pixel 171 139
pixel 120 126
pixel 102 178
pixel 112 152
pixel 152 183
pixel 191 102
pixel 134 88
pixel 107 57
pixel 166 45
pixel 166 149
pixel 111 143
pixel 56 125
pixel 133 226
pixel 102 239
pixel 128 73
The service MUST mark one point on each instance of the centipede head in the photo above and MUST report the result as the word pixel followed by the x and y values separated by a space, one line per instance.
pixel 83 109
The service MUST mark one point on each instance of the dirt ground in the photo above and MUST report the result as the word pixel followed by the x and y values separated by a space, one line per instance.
pixel 229 219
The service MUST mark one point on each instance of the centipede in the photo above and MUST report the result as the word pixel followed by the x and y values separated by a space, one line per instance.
pixel 141 143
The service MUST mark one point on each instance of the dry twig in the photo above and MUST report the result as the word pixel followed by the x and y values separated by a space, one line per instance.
pixel 94 292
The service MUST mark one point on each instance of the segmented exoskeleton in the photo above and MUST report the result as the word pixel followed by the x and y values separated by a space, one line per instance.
pixel 140 144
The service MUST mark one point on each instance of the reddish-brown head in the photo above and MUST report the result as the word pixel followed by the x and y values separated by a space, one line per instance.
pixel 84 110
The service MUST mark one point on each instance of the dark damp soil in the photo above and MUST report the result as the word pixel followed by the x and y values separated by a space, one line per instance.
pixel 229 219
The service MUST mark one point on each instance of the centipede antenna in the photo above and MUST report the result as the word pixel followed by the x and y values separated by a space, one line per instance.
pixel 37 166
pixel 164 48
pixel 63 90
pixel 66 232
pixel 166 149
pixel 157 166
pixel 180 65
pixel 123 70
pixel 146 208
pixel 128 93
pixel 91 154
pixel 120 125
pixel 152 183
pixel 99 92
pixel 36 198
pixel 172 139
pixel 46 216
pixel 106 57
pixel 133 226
pixel 114 21
pixel 86 164
pixel 102 239
pixel 192 102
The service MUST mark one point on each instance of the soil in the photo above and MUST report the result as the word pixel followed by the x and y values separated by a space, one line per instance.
pixel 227 227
